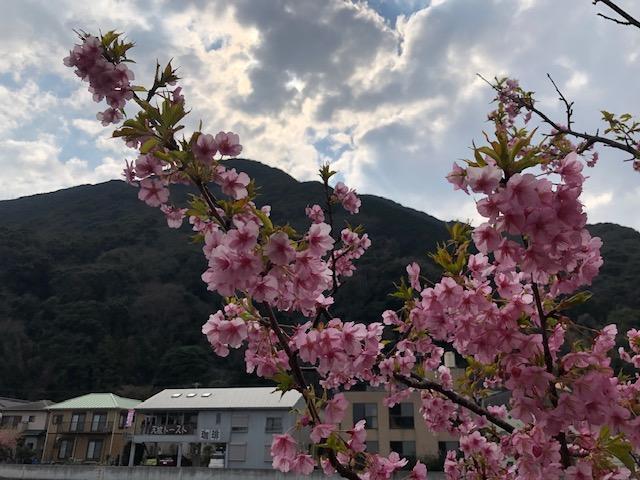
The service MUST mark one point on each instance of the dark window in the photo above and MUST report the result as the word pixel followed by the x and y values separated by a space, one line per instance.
pixel 367 412
pixel 406 449
pixel 57 419
pixel 32 418
pixel 444 447
pixel 94 449
pixel 273 425
pixel 99 422
pixel 401 416
pixel 373 446
pixel 65 448
pixel 77 422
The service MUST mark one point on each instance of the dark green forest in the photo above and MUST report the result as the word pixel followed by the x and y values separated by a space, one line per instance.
pixel 97 294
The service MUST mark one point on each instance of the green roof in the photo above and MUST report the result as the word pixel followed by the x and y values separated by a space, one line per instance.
pixel 96 401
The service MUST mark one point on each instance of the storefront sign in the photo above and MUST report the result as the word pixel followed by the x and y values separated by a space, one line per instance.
pixel 210 434
pixel 171 430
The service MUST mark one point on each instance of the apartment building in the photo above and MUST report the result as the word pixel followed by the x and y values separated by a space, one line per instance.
pixel 399 428
pixel 28 420
pixel 92 428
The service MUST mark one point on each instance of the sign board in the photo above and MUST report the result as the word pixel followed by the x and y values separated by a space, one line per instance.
pixel 170 430
pixel 210 434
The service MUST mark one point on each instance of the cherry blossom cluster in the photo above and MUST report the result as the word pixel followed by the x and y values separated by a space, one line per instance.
pixel 110 81
pixel 500 304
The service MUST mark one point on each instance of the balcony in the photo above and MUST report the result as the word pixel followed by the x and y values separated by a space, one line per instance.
pixel 82 427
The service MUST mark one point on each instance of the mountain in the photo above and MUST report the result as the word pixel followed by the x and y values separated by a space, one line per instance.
pixel 97 294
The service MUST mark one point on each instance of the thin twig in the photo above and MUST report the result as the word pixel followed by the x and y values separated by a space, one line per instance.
pixel 628 18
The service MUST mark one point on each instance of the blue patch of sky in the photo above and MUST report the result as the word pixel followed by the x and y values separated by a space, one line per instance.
pixel 391 9
pixel 217 44
pixel 329 148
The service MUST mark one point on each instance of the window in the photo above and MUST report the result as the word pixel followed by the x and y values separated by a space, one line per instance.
pixel 239 423
pixel 32 418
pixel 99 422
pixel 237 452
pixel 444 447
pixel 267 454
pixel 274 425
pixel 65 448
pixel 373 446
pixel 94 449
pixel 405 449
pixel 57 419
pixel 401 416
pixel 77 422
pixel 366 411
pixel 218 418
pixel 16 420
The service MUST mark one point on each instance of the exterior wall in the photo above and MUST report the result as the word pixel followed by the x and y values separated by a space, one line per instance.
pixel 112 435
pixel 36 427
pixel 39 422
pixel 426 442
pixel 255 440
pixel 79 472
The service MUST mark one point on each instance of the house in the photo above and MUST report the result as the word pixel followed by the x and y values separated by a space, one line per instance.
pixel 217 427
pixel 28 420
pixel 92 428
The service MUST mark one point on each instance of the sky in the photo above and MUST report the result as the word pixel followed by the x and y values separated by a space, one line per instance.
pixel 385 90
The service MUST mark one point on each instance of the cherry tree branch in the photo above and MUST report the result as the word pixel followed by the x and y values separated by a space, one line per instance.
pixel 424 384
pixel 303 388
pixel 628 18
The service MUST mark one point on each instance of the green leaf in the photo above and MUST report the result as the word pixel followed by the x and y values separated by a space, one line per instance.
pixel 149 145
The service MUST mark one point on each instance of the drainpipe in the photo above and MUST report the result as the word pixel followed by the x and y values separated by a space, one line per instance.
pixel 113 431
pixel 46 437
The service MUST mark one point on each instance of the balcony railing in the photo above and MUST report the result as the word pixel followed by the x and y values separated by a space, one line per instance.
pixel 82 427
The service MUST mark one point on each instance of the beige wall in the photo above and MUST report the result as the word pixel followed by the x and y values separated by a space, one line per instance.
pixel 426 442
pixel 113 439
pixel 39 422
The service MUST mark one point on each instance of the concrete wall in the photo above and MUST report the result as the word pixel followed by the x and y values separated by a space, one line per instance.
pixel 78 472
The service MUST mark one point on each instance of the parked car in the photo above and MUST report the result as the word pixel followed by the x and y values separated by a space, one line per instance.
pixel 172 461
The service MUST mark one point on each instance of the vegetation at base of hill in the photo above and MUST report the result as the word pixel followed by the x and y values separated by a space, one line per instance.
pixel 97 294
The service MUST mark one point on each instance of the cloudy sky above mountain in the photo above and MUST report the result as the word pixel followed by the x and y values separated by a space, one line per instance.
pixel 386 90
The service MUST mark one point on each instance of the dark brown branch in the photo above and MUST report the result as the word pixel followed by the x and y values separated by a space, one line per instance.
pixel 424 384
pixel 590 139
pixel 628 18
pixel 568 105
pixel 548 360
pixel 344 471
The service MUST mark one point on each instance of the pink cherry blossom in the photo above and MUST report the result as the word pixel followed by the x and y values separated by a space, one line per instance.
pixel 153 192
pixel 228 144
pixel 205 147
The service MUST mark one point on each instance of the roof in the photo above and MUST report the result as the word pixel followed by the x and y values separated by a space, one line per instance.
pixel 92 401
pixel 6 402
pixel 30 406
pixel 221 398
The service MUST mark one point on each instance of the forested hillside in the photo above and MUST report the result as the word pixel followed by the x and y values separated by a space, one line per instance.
pixel 97 294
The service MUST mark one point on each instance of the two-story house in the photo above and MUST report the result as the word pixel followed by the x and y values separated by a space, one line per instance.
pixel 28 420
pixel 92 428
pixel 217 427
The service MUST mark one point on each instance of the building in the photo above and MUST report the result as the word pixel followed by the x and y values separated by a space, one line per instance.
pixel 28 420
pixel 92 428
pixel 217 427
pixel 399 429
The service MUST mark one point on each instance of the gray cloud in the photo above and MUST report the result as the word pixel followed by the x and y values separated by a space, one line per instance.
pixel 387 91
